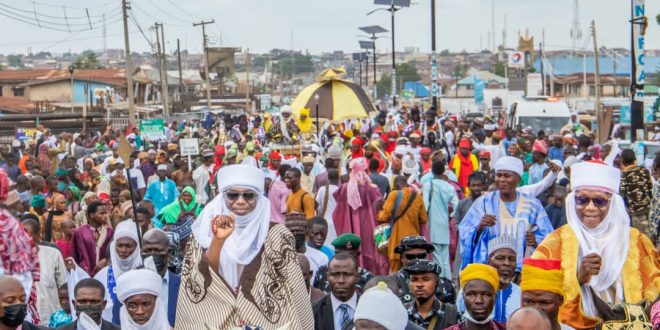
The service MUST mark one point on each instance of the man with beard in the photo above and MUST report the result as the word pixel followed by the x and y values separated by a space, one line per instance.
pixel 502 256
pixel 479 283
pixel 427 311
pixel 284 129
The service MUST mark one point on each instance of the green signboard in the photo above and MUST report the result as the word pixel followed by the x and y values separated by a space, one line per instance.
pixel 152 129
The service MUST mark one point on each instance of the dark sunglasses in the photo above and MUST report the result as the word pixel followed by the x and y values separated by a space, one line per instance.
pixel 598 202
pixel 418 256
pixel 248 196
pixel 484 159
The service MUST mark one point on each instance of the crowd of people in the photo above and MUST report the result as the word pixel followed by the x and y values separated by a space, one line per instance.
pixel 408 220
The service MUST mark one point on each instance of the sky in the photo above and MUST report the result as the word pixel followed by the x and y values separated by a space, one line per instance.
pixel 312 25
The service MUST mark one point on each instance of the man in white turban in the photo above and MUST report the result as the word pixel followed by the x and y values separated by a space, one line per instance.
pixel 138 290
pixel 505 211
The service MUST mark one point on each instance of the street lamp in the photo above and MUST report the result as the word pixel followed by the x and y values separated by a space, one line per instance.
pixel 393 9
pixel 372 30
pixel 316 100
pixel 72 90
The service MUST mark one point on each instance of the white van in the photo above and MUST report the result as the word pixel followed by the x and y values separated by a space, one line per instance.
pixel 541 113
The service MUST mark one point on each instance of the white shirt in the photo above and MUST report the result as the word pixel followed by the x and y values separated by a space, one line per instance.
pixel 53 274
pixel 337 314
pixel 201 176
pixel 102 276
pixel 330 208
pixel 316 259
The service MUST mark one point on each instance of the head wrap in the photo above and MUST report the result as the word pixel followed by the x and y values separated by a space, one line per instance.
pixel 542 275
pixel 381 306
pixel 141 281
pixel 360 152
pixel 480 272
pixel 75 191
pixel 425 150
pixel 596 176
pixel 162 167
pixel 400 150
pixel 285 109
pixel 410 167
pixel 334 151
pixel 358 176
pixel 484 154
pixel 501 242
pixel 615 227
pixel 250 230
pixel 170 213
pixel 540 146
pixel 308 159
pixel 125 229
pixel 38 201
pixel 4 185
pixel 305 125
pixel 464 143
pixel 249 146
pixel 511 164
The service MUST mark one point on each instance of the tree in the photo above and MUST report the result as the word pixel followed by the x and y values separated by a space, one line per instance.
pixel 499 69
pixel 87 60
pixel 384 86
pixel 15 61
pixel 404 72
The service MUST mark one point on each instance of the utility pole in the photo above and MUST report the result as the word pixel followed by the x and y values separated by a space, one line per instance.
pixel 434 61
pixel 206 61
pixel 178 55
pixel 166 87
pixel 129 65
pixel 638 25
pixel 247 83
pixel 542 69
pixel 599 114
pixel 394 89
pixel 160 65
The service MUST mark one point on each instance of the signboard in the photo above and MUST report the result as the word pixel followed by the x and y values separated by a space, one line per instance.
pixel 189 147
pixel 221 59
pixel 534 84
pixel 624 115
pixel 152 129
pixel 638 48
pixel 25 134
pixel 265 101
pixel 516 60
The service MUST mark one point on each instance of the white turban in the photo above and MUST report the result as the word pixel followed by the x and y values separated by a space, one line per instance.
pixel 162 167
pixel 380 305
pixel 400 150
pixel 286 109
pixel 141 281
pixel 250 230
pixel 125 229
pixel 511 164
pixel 595 176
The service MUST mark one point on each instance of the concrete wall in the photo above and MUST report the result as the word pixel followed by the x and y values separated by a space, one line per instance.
pixel 59 91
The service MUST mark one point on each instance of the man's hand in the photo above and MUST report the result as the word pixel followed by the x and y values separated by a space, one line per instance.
pixel 553 167
pixel 222 226
pixel 530 239
pixel 589 267
pixel 487 220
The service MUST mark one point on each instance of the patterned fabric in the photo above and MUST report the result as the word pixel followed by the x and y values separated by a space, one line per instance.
pixel 18 252
pixel 425 322
pixel 345 317
pixel 655 213
pixel 321 279
pixel 59 318
pixel 271 294
pixel 636 188
pixel 444 291
pixel 641 269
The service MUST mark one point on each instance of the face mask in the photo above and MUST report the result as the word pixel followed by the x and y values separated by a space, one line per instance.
pixel 160 261
pixel 93 311
pixel 14 315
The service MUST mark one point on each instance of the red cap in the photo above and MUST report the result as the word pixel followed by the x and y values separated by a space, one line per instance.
pixel 275 155
pixel 547 264
pixel 484 154
pixel 465 143
pixel 357 142
pixel 425 150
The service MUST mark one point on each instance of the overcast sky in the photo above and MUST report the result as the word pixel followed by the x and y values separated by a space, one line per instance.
pixel 315 25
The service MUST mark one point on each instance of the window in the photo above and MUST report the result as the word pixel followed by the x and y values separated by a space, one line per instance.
pixel 19 91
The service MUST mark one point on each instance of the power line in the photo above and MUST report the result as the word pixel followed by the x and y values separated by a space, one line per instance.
pixel 134 20
pixel 166 13
pixel 134 4
pixel 57 26
pixel 74 7
pixel 50 16
pixel 181 9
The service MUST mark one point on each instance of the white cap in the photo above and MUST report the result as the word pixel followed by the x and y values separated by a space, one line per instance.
pixel 511 164
pixel 595 175
pixel 380 305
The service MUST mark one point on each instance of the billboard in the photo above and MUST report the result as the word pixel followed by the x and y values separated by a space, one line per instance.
pixel 221 60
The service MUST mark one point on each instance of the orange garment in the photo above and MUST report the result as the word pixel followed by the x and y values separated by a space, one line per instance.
pixel 300 199
pixel 409 224
pixel 21 163
pixel 640 274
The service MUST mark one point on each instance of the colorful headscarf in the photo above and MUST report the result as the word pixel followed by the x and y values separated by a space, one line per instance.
pixel 480 272
pixel 77 194
pixel 305 125
pixel 357 177
pixel 170 213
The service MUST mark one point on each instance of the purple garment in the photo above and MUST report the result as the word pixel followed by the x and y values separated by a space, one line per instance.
pixel 362 223
pixel 277 195
pixel 84 248
pixel 148 169
pixel 320 180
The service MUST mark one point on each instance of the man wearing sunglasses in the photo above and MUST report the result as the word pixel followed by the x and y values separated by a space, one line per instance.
pixel 414 248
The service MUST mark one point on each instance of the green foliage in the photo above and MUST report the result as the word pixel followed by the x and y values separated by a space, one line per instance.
pixel 499 69
pixel 384 86
pixel 15 61
pixel 404 72
pixel 87 60
pixel 299 64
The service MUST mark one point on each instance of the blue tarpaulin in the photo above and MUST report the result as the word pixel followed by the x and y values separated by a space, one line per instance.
pixel 416 87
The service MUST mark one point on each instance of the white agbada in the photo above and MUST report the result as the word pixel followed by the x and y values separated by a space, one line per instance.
pixel 329 209
pixel 141 281
pixel 608 284
pixel 250 231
